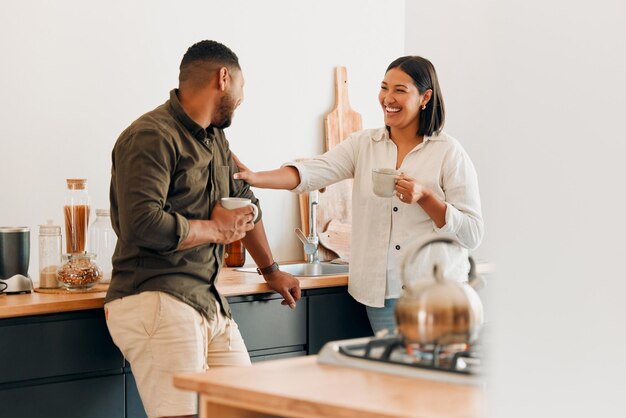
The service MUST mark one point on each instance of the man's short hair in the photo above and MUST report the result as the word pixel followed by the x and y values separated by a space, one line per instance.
pixel 202 58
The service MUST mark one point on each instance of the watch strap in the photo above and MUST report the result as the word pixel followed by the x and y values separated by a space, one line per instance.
pixel 267 270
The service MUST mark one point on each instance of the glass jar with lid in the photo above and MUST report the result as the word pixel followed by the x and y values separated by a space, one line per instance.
pixel 79 270
pixel 49 254
pixel 76 214
pixel 102 240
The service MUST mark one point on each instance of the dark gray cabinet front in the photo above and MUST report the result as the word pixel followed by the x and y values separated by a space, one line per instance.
pixel 134 407
pixel 265 324
pixel 270 330
pixel 44 346
pixel 334 315
pixel 96 397
pixel 60 365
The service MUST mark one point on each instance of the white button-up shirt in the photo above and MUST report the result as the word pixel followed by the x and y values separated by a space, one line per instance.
pixel 385 231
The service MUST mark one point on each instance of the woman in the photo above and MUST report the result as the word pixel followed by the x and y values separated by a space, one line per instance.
pixel 436 192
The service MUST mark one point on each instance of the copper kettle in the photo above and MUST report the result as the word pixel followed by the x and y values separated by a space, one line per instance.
pixel 433 311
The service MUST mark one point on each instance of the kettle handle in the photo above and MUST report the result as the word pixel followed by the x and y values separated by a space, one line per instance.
pixel 474 280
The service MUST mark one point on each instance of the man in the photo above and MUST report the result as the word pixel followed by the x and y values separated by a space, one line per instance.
pixel 170 168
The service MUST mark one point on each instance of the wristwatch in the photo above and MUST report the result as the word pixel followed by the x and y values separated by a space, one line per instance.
pixel 267 270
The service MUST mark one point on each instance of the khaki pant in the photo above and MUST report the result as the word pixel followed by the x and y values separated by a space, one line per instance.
pixel 161 336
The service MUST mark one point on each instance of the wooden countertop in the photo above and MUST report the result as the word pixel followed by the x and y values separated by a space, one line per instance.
pixel 300 387
pixel 229 283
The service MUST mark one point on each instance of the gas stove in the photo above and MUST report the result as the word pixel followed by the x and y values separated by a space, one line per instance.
pixel 453 364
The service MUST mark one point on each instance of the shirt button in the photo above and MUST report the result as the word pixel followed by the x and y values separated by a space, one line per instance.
pixel 395 208
pixel 397 247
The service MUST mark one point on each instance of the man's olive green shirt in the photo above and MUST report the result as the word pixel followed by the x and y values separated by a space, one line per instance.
pixel 167 170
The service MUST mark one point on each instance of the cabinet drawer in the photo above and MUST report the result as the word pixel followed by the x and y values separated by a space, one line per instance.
pixel 265 323
pixel 56 345
pixel 101 397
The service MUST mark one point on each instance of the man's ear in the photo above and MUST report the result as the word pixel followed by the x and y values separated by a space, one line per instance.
pixel 223 77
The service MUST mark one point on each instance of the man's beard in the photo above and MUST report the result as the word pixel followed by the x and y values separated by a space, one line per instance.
pixel 225 112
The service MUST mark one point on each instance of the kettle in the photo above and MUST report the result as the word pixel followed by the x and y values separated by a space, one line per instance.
pixel 433 311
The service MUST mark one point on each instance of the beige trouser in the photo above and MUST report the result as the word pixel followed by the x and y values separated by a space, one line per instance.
pixel 161 336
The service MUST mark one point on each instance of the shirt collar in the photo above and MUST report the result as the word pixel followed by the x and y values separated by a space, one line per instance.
pixel 176 109
pixel 381 134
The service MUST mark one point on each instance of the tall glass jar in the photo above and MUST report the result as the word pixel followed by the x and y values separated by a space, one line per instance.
pixel 102 240
pixel 49 255
pixel 76 214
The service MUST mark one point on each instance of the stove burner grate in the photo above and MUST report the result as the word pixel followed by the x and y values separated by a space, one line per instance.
pixel 394 350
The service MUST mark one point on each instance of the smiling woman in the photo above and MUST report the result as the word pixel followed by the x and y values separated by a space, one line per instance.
pixel 436 191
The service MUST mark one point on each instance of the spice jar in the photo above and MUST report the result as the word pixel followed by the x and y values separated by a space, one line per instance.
pixel 78 271
pixel 49 254
pixel 76 214
pixel 235 254
pixel 102 240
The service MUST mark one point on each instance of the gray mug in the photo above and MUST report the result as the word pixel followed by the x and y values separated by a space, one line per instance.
pixel 384 181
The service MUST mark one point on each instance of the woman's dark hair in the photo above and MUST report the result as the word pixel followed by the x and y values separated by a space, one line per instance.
pixel 423 73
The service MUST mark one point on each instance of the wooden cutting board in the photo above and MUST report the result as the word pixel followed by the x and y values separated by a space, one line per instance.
pixel 336 238
pixel 335 201
pixel 342 120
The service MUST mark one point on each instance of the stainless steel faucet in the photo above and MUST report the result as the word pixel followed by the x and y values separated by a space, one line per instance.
pixel 311 242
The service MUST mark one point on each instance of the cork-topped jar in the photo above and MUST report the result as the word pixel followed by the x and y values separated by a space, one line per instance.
pixel 79 271
pixel 76 214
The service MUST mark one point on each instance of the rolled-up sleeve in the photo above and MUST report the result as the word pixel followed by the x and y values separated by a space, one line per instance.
pixel 143 164
pixel 333 166
pixel 463 209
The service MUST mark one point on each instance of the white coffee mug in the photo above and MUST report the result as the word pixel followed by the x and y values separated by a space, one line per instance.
pixel 239 202
pixel 384 181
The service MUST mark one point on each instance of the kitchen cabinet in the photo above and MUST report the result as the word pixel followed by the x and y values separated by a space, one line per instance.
pixel 269 328
pixel 95 397
pixel 271 331
pixel 132 400
pixel 334 315
pixel 60 365
pixel 43 346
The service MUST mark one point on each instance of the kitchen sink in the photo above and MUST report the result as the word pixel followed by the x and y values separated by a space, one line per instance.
pixel 307 269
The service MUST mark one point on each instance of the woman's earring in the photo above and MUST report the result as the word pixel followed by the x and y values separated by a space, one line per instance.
pixel 423 107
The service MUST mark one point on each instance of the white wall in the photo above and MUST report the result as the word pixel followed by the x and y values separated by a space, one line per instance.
pixel 536 90
pixel 74 74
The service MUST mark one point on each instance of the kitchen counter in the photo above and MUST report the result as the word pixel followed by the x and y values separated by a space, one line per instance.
pixel 300 387
pixel 229 283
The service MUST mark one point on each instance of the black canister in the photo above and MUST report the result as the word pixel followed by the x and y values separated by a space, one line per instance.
pixel 14 259
pixel 14 251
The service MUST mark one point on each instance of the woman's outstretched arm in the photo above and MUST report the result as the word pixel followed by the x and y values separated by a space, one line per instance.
pixel 286 178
